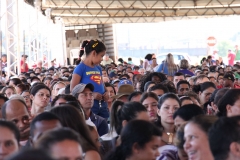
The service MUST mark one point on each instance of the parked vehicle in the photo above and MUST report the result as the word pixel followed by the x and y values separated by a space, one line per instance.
pixel 178 56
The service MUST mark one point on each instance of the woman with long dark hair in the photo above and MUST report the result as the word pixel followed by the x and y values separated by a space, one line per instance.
pixel 72 118
pixel 139 140
pixel 150 101
pixel 167 105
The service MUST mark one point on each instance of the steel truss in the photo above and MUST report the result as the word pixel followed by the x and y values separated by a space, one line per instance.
pixel 75 12
pixel 12 36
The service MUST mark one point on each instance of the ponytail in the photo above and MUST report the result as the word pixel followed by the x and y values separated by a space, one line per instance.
pixel 92 45
pixel 84 43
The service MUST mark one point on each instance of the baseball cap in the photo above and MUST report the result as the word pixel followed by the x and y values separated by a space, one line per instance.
pixel 112 74
pixel 124 90
pixel 125 81
pixel 116 80
pixel 80 87
pixel 197 71
pixel 229 77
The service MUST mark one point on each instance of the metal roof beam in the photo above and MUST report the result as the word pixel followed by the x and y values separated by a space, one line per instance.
pixel 165 8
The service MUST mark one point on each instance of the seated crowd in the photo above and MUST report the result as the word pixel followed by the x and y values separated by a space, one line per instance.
pixel 150 111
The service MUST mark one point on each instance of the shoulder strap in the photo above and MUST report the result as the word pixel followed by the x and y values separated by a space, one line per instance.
pixel 163 67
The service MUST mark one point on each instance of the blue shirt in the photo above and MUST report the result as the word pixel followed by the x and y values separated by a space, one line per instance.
pixel 163 68
pixel 90 75
pixel 185 71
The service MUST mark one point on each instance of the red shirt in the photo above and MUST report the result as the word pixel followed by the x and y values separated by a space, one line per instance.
pixel 231 56
pixel 236 86
pixel 26 67
pixel 219 87
pixel 136 72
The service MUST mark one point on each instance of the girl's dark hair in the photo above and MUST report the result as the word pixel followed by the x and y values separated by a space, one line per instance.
pixel 219 95
pixel 230 97
pixel 128 112
pixel 71 117
pixel 149 78
pixel 189 111
pixel 22 87
pixel 110 85
pixel 114 114
pixel 36 88
pixel 148 84
pixel 134 94
pixel 204 122
pixel 120 60
pixel 203 59
pixel 148 94
pixel 136 131
pixel 15 81
pixel 167 96
pixel 148 57
pixel 92 45
pixel 63 96
pixel 202 87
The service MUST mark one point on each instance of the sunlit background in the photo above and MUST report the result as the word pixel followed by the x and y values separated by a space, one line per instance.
pixel 186 36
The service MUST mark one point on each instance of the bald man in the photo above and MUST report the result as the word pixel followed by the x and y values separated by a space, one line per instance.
pixel 15 110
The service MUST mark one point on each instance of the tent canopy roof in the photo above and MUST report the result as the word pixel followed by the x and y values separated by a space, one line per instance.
pixel 79 12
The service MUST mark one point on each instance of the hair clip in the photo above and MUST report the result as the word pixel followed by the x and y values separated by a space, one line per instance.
pixel 94 45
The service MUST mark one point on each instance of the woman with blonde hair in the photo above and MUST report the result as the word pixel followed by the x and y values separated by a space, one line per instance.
pixel 168 66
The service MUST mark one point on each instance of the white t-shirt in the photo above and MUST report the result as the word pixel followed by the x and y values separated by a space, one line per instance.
pixel 104 62
pixel 89 122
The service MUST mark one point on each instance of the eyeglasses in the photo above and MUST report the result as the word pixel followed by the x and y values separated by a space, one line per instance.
pixel 26 97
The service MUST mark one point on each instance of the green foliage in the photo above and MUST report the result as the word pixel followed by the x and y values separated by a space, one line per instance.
pixel 223 47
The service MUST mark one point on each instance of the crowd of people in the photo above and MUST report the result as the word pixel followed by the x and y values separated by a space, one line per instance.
pixel 101 110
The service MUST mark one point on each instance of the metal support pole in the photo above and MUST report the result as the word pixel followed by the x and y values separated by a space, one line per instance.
pixel 12 36
pixel 48 56
pixel 64 42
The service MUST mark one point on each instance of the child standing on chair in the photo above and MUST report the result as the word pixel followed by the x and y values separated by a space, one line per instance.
pixel 89 71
